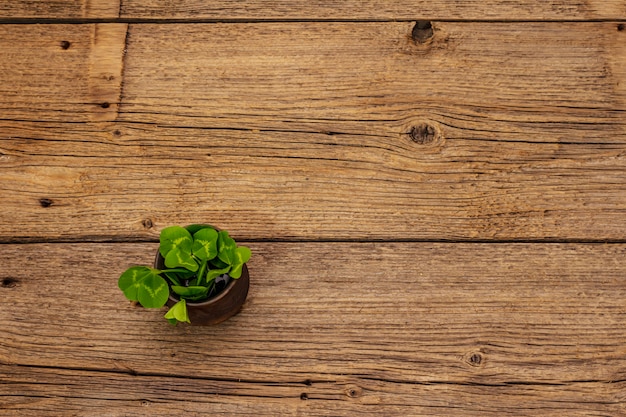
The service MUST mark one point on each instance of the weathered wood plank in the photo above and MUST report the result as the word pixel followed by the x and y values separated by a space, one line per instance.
pixel 325 9
pixel 60 9
pixel 328 77
pixel 127 181
pixel 268 126
pixel 47 391
pixel 333 77
pixel 462 314
pixel 71 73
pixel 370 9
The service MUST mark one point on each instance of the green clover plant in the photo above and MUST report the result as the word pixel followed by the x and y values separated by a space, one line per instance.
pixel 196 258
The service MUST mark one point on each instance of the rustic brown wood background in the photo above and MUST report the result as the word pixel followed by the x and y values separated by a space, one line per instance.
pixel 437 218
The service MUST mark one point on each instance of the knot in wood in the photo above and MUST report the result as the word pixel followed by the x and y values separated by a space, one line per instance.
pixel 422 31
pixel 475 359
pixel 65 45
pixel 8 282
pixel 147 223
pixel 353 392
pixel 423 134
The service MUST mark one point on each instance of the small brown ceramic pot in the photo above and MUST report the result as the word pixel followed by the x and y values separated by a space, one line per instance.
pixel 216 309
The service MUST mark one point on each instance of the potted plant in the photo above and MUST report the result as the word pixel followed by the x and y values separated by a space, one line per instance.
pixel 199 272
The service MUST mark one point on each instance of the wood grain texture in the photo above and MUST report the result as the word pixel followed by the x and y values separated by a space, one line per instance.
pixel 447 329
pixel 332 77
pixel 71 73
pixel 297 126
pixel 370 9
pixel 49 391
pixel 318 9
pixel 128 181
pixel 315 130
pixel 60 9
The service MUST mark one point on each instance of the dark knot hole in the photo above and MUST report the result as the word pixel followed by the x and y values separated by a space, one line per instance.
pixel 422 31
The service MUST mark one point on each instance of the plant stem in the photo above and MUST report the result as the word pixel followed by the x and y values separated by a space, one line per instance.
pixel 201 272
pixel 173 270
pixel 173 279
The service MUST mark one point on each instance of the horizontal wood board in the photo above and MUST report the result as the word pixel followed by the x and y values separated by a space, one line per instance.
pixel 60 9
pixel 313 131
pixel 320 9
pixel 26 391
pixel 398 328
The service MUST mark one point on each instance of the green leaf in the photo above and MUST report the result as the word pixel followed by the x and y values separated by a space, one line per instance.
pixel 215 262
pixel 205 244
pixel 175 247
pixel 242 255
pixel 176 258
pixel 190 292
pixel 193 228
pixel 196 298
pixel 214 273
pixel 153 292
pixel 226 247
pixel 178 312
pixel 133 278
pixel 173 278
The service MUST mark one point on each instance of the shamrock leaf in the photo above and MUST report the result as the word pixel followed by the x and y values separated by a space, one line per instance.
pixel 193 228
pixel 176 244
pixel 191 293
pixel 178 312
pixel 226 247
pixel 154 292
pixel 205 244
pixel 242 255
pixel 214 273
pixel 176 258
pixel 132 279
pixel 143 284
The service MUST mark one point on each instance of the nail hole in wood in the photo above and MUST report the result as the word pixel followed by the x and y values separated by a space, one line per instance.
pixel 117 133
pixel 65 45
pixel 105 105
pixel 308 382
pixel 9 283
pixel 620 27
pixel 304 396
pixel 45 202
pixel 422 31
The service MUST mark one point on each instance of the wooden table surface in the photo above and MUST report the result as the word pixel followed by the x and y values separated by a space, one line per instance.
pixel 434 193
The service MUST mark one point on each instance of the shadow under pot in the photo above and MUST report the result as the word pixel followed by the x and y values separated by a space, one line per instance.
pixel 216 309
